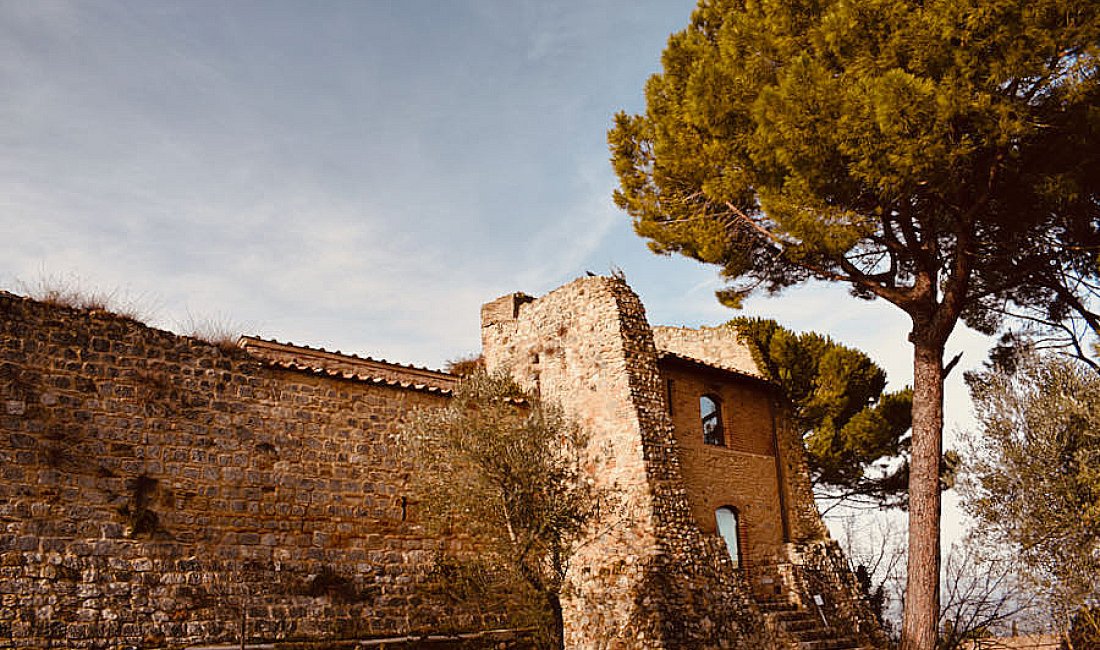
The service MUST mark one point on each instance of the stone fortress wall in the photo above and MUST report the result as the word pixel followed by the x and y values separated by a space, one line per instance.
pixel 655 581
pixel 151 485
pixel 156 490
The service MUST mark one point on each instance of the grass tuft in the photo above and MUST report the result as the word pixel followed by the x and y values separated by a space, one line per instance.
pixel 74 292
pixel 221 331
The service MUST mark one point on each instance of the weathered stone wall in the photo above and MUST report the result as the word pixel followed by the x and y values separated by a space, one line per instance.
pixel 652 579
pixel 804 523
pixel 153 485
pixel 820 568
pixel 716 345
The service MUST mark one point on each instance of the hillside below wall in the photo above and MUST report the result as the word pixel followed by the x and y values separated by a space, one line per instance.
pixel 152 486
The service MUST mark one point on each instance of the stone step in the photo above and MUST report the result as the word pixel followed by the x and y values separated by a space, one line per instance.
pixel 801 625
pixel 804 628
pixel 796 615
pixel 776 605
pixel 816 633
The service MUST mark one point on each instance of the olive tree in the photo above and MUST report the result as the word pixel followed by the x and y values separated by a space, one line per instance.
pixel 504 467
pixel 1032 471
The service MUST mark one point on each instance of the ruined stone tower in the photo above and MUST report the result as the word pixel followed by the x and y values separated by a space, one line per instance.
pixel 722 545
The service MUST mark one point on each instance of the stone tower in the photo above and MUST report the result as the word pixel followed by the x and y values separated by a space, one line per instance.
pixel 720 544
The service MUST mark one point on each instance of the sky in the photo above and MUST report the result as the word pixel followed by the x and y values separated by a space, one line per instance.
pixel 354 175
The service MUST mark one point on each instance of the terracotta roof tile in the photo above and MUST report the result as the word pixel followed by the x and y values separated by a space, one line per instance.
pixel 338 364
pixel 244 340
pixel 355 376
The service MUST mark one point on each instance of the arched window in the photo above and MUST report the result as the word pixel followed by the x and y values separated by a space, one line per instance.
pixel 710 410
pixel 729 527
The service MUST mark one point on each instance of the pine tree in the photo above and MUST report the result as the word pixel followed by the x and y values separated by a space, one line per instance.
pixel 837 401
pixel 941 155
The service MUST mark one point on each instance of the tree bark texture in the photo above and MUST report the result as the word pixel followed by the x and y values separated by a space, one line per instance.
pixel 554 600
pixel 922 589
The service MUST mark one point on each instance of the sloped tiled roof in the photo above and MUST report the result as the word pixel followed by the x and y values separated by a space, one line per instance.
pixel 354 376
pixel 322 362
pixel 663 355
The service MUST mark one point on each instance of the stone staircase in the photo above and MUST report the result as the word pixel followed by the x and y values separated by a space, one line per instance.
pixel 803 628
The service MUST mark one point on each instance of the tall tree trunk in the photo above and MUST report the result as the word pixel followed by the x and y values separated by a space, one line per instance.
pixel 558 631
pixel 922 588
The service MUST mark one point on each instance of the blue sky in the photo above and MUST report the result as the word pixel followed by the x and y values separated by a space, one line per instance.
pixel 354 175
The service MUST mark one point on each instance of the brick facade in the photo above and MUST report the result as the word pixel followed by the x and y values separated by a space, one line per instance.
pixel 740 473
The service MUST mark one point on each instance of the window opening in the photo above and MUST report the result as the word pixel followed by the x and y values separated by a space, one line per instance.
pixel 729 527
pixel 711 413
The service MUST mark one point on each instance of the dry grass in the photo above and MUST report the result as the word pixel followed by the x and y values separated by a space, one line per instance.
pixel 220 331
pixel 73 291
pixel 465 365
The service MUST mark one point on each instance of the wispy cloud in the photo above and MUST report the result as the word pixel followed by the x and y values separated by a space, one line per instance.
pixel 362 174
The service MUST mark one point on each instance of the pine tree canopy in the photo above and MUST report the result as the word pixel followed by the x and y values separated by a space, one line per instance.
pixel 856 435
pixel 906 148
